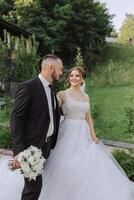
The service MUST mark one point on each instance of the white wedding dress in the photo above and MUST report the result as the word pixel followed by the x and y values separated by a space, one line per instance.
pixel 77 169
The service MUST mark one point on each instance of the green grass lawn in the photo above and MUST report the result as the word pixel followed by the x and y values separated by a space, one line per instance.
pixel 108 110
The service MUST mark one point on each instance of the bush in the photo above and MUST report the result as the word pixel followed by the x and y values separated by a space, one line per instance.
pixel 3 57
pixel 130 118
pixel 126 161
pixel 7 105
pixel 25 59
pixel 5 138
pixel 5 110
pixel 114 66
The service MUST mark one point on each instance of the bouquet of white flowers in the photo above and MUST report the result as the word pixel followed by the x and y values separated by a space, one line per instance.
pixel 31 162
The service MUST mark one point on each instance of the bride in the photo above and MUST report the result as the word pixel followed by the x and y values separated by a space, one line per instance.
pixel 79 168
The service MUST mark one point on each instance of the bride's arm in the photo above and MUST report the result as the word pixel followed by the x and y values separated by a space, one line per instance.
pixel 91 125
pixel 61 97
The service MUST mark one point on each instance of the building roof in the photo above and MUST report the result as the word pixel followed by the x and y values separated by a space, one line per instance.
pixel 11 28
pixel 111 39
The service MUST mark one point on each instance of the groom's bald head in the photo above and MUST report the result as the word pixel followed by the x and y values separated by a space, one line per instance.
pixel 51 65
pixel 50 59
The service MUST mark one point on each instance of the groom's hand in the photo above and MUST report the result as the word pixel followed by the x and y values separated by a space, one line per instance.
pixel 16 164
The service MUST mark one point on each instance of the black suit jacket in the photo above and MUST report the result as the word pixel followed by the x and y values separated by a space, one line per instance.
pixel 30 118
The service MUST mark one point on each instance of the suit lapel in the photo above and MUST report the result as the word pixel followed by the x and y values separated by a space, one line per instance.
pixel 44 97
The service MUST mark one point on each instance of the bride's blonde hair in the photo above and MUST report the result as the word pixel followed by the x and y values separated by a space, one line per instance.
pixel 79 69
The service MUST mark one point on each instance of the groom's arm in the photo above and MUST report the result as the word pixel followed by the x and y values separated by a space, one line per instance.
pixel 21 105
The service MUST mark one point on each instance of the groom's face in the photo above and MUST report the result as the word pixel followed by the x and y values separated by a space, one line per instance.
pixel 58 70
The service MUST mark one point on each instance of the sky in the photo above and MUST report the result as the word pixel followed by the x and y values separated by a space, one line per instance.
pixel 119 8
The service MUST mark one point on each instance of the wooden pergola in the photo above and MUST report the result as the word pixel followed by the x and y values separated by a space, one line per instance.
pixel 12 29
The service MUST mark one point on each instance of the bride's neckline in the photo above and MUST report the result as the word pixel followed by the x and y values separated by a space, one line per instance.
pixel 72 99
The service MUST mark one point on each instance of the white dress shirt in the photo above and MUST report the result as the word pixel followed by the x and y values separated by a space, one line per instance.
pixel 47 89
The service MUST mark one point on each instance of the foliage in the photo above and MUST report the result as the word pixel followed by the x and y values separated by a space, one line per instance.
pixel 127 29
pixel 59 85
pixel 5 110
pixel 79 59
pixel 24 56
pixel 3 57
pixel 112 74
pixel 7 105
pixel 62 26
pixel 21 3
pixel 126 161
pixel 130 117
pixel 114 34
pixel 5 138
pixel 5 113
pixel 25 59
pixel 115 67
pixel 5 7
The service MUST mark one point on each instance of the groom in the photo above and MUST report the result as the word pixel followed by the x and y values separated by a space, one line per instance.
pixel 35 118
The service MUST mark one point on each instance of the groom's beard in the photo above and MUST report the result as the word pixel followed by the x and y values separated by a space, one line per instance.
pixel 55 77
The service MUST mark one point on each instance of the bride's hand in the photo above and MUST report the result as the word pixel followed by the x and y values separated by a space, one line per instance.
pixel 95 139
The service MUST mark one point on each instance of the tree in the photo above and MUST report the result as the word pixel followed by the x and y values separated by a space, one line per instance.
pixel 127 29
pixel 114 33
pixel 5 7
pixel 63 25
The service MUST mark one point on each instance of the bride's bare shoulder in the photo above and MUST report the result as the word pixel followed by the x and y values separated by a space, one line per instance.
pixel 87 96
pixel 61 95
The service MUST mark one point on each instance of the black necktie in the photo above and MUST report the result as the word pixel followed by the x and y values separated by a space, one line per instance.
pixel 53 105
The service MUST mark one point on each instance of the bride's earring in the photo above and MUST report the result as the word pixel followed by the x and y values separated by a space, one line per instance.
pixel 82 82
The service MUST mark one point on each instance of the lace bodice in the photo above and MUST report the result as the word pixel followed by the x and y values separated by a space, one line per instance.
pixel 74 109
